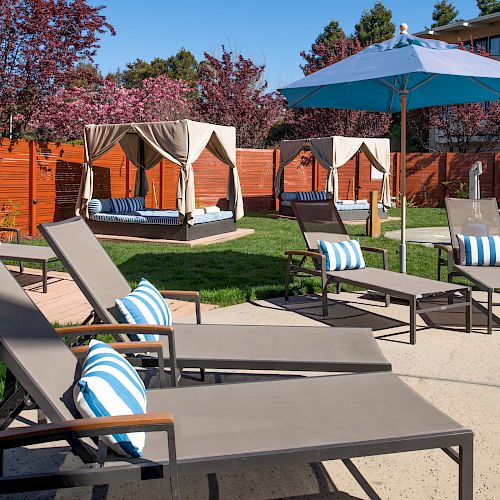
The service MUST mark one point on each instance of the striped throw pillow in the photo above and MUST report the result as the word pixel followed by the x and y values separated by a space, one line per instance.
pixel 479 250
pixel 342 255
pixel 95 206
pixel 311 195
pixel 144 306
pixel 109 386
pixel 120 205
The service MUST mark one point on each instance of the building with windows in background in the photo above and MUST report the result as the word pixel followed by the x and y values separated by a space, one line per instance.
pixel 483 31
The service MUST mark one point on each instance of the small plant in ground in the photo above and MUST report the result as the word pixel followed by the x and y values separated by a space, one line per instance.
pixel 8 214
pixel 410 202
pixel 457 188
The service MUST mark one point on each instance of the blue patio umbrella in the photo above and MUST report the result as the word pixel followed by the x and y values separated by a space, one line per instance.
pixel 399 74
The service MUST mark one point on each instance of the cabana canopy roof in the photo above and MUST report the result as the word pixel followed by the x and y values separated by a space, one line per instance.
pixel 333 152
pixel 145 144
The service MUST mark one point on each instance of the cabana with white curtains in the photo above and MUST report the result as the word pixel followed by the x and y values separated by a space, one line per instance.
pixel 145 144
pixel 332 153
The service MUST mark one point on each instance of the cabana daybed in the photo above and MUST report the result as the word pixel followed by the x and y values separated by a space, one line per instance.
pixel 332 153
pixel 145 144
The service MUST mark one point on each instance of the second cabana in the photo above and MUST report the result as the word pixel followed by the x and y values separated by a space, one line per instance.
pixel 331 153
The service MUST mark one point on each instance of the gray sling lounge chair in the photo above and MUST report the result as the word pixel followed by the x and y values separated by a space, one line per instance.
pixel 212 346
pixel 276 422
pixel 320 220
pixel 474 218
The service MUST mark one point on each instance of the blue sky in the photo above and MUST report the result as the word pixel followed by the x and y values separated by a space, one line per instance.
pixel 271 32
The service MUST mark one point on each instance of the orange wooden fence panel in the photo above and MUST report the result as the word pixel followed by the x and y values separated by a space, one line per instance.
pixel 42 180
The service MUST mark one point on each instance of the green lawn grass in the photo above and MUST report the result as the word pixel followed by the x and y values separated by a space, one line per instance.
pixel 253 267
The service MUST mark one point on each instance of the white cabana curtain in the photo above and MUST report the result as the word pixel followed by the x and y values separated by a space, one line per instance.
pixel 180 141
pixel 333 152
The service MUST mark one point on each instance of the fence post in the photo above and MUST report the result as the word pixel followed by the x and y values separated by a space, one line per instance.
pixel 32 184
pixel 127 177
pixel 162 168
pixel 446 175
pixel 276 161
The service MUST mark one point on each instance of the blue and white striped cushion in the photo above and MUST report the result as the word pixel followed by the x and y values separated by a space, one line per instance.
pixel 342 255
pixel 120 205
pixel 289 195
pixel 479 250
pixel 95 206
pixel 311 195
pixel 144 306
pixel 110 386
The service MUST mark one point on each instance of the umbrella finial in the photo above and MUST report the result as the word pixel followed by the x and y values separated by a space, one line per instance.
pixel 404 28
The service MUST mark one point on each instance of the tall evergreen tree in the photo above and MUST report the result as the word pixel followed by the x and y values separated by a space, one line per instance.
pixel 331 32
pixel 444 13
pixel 181 66
pixel 375 25
pixel 488 6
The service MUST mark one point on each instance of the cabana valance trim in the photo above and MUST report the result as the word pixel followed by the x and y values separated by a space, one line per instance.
pixel 333 152
pixel 145 144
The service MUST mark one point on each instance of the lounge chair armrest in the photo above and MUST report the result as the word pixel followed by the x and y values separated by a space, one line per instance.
pixel 304 253
pixel 85 427
pixel 12 230
pixel 450 256
pixel 127 329
pixel 131 347
pixel 125 347
pixel 382 251
pixel 185 295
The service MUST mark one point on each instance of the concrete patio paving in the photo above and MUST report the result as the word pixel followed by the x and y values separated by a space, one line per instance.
pixel 458 372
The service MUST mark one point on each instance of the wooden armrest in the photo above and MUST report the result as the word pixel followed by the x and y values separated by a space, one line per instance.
pixel 374 249
pixel 443 246
pixel 85 427
pixel 125 347
pixel 305 253
pixel 381 251
pixel 81 331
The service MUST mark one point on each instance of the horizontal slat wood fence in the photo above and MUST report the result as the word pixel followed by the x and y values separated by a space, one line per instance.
pixel 41 180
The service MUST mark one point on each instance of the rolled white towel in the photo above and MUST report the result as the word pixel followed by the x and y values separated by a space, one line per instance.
pixel 347 202
pixel 199 211
pixel 212 210
pixel 362 202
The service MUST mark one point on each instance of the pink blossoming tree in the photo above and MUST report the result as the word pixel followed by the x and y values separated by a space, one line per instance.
pixel 233 92
pixel 63 115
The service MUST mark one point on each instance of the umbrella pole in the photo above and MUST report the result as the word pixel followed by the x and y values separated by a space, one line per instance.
pixel 402 246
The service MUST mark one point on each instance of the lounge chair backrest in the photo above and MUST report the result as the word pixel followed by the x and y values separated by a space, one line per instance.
pixel 88 264
pixel 34 353
pixel 319 220
pixel 472 217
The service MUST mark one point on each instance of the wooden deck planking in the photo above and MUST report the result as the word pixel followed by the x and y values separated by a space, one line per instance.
pixel 64 303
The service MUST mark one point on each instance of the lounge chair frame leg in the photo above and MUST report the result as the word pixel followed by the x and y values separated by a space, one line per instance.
pixel 490 312
pixel 44 272
pixel 466 469
pixel 172 459
pixel 413 321
pixel 468 310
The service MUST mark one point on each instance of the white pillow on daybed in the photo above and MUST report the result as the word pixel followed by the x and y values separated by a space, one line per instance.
pixel 212 210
